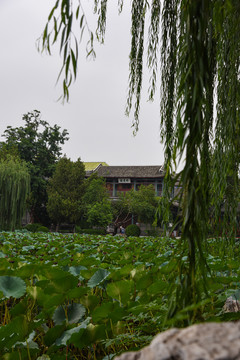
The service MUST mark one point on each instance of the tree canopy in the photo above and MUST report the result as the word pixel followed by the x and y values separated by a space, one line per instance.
pixel 97 209
pixel 14 190
pixel 95 190
pixel 142 203
pixel 100 214
pixel 195 45
pixel 65 191
pixel 39 145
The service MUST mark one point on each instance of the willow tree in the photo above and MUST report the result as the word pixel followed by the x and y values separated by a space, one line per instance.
pixel 195 47
pixel 14 190
pixel 39 145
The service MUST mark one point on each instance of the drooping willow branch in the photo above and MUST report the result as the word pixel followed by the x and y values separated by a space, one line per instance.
pixel 14 190
pixel 199 61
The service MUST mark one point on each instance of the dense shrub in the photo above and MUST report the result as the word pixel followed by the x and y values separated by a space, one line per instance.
pixel 133 230
pixel 91 231
pixel 42 229
pixel 32 227
pixel 66 228
pixel 152 232
pixel 35 227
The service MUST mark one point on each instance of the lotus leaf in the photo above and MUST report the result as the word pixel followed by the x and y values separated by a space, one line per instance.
pixel 12 286
pixel 120 290
pixel 68 333
pixel 70 313
pixel 99 276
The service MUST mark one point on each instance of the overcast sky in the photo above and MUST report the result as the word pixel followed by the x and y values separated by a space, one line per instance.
pixel 98 128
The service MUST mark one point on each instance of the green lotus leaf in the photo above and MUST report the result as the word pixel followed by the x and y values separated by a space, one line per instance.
pixel 108 311
pixel 75 270
pixel 99 276
pixel 68 333
pixel 28 248
pixel 15 331
pixel 20 308
pixel 120 290
pixel 102 311
pixel 12 286
pixel 90 301
pixel 53 333
pixel 59 285
pixel 4 264
pixel 90 335
pixel 157 287
pixel 52 300
pixel 77 292
pixel 70 313
pixel 29 343
pixel 144 281
pixel 78 248
pixel 27 271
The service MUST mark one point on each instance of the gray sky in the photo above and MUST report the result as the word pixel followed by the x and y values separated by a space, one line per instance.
pixel 94 117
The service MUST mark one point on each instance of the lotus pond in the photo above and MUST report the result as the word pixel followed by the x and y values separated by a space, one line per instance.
pixel 92 297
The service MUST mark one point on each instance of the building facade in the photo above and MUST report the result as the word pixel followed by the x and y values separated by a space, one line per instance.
pixel 120 179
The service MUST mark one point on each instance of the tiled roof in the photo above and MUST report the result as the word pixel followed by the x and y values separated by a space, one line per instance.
pixel 90 166
pixel 131 171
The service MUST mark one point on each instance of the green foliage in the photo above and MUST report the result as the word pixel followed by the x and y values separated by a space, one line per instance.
pixel 97 278
pixel 12 286
pixel 95 190
pixel 99 214
pixel 43 229
pixel 97 209
pixel 121 211
pixel 6 151
pixel 97 296
pixel 65 191
pixel 39 145
pixel 14 190
pixel 199 58
pixel 142 203
pixel 67 14
pixel 35 227
pixel 71 314
pixel 133 230
pixel 187 117
pixel 90 231
pixel 152 232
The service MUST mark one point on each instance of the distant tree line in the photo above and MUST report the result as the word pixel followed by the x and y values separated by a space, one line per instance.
pixel 34 176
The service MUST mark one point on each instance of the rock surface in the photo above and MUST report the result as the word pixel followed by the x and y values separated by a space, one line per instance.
pixel 231 305
pixel 208 341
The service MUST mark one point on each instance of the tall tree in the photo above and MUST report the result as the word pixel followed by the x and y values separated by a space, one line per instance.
pixel 95 190
pixel 39 145
pixel 97 209
pixel 14 190
pixel 142 203
pixel 6 151
pixel 200 50
pixel 100 214
pixel 65 191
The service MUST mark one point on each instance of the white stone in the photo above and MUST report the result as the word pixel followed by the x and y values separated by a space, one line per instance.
pixel 208 341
